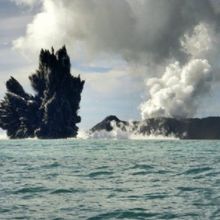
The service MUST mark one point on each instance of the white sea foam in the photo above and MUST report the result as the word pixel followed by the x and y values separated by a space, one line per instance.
pixel 119 135
pixel 3 136
pixel 120 131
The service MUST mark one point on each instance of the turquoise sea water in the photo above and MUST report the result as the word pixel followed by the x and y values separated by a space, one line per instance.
pixel 109 179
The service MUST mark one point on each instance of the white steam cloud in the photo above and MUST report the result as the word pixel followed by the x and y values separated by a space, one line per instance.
pixel 179 91
pixel 176 93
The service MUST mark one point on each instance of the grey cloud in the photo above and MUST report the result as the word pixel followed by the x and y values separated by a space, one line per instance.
pixel 137 30
pixel 142 32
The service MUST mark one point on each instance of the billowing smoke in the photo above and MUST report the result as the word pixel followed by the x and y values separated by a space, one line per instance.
pixel 140 30
pixel 179 91
pixel 150 33
pixel 176 93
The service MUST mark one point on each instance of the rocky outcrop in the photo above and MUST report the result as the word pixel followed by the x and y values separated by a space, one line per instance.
pixel 191 128
pixel 107 124
pixel 53 111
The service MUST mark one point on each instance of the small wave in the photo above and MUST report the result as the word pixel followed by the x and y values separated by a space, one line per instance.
pixel 152 196
pixel 211 174
pixel 4 210
pixel 142 166
pixel 122 190
pixel 141 173
pixel 100 173
pixel 63 191
pixel 197 170
pixel 30 190
pixel 163 171
pixel 145 169
pixel 52 165
pixel 102 167
pixel 125 214
pixel 189 189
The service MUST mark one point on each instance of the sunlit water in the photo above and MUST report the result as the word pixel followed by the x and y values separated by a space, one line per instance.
pixel 109 179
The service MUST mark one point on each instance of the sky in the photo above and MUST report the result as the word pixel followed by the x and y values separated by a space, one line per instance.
pixel 124 50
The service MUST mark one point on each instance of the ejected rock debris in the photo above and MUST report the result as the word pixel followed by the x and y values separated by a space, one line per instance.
pixel 52 112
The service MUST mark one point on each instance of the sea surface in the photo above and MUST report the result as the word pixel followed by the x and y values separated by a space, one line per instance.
pixel 109 179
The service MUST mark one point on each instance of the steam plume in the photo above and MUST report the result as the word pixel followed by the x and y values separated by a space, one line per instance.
pixel 177 93
pixel 143 32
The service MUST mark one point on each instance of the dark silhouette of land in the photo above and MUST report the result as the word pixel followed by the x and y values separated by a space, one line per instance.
pixel 190 128
pixel 53 111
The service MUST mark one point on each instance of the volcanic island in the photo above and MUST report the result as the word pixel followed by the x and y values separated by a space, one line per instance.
pixel 52 112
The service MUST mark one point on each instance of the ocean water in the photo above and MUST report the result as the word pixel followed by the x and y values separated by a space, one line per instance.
pixel 109 179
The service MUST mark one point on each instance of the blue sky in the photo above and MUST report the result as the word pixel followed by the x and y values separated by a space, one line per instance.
pixel 114 45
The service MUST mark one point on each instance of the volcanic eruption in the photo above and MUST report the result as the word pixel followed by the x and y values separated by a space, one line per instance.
pixel 53 111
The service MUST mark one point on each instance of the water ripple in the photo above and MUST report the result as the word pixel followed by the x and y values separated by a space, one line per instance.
pixel 194 171
pixel 61 191
pixel 100 173
pixel 125 214
pixel 109 179
pixel 30 190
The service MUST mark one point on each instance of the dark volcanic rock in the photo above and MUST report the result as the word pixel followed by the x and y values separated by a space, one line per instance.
pixel 192 128
pixel 53 111
pixel 107 125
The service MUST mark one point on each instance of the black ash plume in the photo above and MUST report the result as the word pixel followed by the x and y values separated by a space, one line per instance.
pixel 53 111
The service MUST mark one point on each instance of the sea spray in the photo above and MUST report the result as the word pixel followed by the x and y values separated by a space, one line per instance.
pixel 121 131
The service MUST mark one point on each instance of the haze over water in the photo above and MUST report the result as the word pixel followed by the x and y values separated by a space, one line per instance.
pixel 109 179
